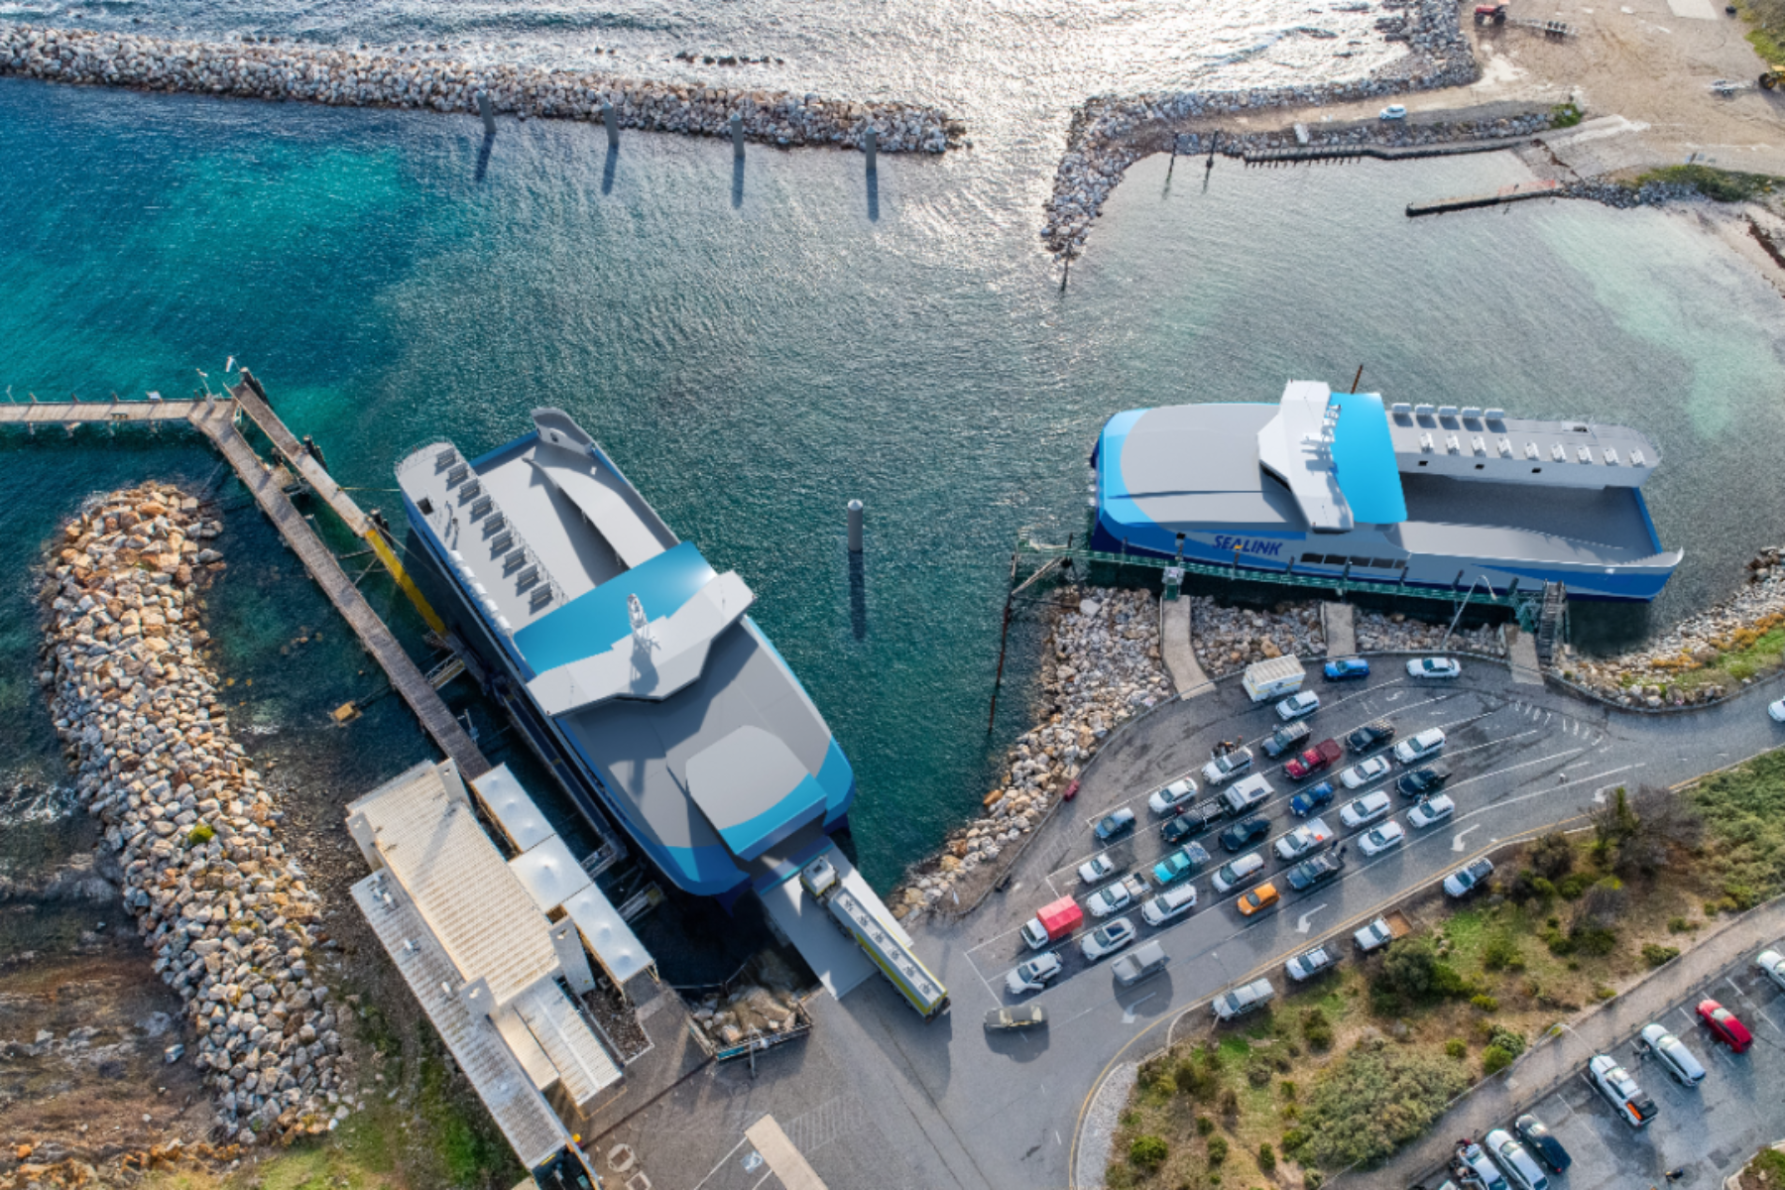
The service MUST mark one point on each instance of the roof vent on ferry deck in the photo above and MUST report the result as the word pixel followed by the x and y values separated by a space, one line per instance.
pixel 1494 415
pixel 1401 409
pixel 1423 411
pixel 1447 412
pixel 444 459
pixel 1471 413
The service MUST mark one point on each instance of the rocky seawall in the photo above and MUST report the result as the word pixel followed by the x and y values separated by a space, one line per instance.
pixel 193 828
pixel 1227 639
pixel 1102 667
pixel 370 78
pixel 1110 133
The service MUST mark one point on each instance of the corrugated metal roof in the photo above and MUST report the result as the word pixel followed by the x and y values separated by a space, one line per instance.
pixel 583 1066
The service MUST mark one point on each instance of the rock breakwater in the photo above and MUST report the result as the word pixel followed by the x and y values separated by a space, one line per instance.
pixel 193 827
pixel 1227 639
pixel 369 78
pixel 1101 667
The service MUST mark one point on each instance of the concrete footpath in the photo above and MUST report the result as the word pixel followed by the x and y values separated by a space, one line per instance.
pixel 1560 1058
pixel 1177 651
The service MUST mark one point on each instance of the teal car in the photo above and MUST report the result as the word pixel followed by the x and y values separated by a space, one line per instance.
pixel 1185 861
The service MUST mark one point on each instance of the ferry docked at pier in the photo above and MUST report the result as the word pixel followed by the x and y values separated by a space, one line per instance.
pixel 634 670
pixel 1429 497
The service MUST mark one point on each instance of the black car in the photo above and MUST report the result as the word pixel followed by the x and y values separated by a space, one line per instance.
pixel 1314 870
pixel 1192 822
pixel 1422 782
pixel 1369 736
pixel 1239 834
pixel 1537 1138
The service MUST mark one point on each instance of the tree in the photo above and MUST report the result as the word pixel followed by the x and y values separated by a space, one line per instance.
pixel 1552 856
pixel 1634 833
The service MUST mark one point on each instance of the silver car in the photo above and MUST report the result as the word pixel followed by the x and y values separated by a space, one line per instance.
pixel 1672 1054
pixel 1513 1159
pixel 1773 964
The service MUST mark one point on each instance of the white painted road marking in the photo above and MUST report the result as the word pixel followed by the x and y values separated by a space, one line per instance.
pixel 1301 923
pixel 1128 1012
pixel 1456 842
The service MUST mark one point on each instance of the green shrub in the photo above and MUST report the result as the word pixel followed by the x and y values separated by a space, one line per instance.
pixel 1456 1048
pixel 1217 1150
pixel 1204 1125
pixel 1500 952
pixel 1230 1103
pixel 1510 1040
pixel 1313 1180
pixel 1552 856
pixel 1258 1073
pixel 1564 115
pixel 200 834
pixel 1571 887
pixel 1486 1002
pixel 1590 939
pixel 1603 991
pixel 1267 1159
pixel 1494 1060
pixel 1317 1031
pixel 1148 1152
pixel 1680 925
pixel 1292 1142
pixel 1656 956
pixel 1738 896
pixel 1372 1101
pixel 1287 1090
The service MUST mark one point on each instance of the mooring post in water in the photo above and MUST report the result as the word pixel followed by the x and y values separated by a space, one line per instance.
pixel 1358 377
pixel 871 146
pixel 487 111
pixel 737 135
pixel 1066 273
pixel 1003 639
pixel 1174 157
pixel 611 118
pixel 855 526
pixel 1213 141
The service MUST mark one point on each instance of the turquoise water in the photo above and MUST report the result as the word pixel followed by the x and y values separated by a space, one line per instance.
pixel 755 349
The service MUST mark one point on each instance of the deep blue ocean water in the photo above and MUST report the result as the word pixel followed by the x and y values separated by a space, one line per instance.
pixel 755 348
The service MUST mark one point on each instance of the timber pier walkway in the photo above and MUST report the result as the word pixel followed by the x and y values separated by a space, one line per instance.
pixel 216 417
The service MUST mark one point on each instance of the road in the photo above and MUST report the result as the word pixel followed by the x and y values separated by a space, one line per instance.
pixel 949 1105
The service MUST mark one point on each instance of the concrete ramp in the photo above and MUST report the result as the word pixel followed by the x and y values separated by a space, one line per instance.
pixel 1176 649
pixel 810 929
pixel 1338 623
pixel 1521 647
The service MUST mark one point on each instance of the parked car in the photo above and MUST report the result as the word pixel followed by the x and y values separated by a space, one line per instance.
pixel 1237 872
pixel 1433 667
pixel 1672 1055
pixel 1235 837
pixel 1536 1135
pixel 1287 738
pixel 1518 1165
pixel 1620 1090
pixel 1033 975
pixel 1303 839
pixel 1169 905
pixel 1423 746
pixel 1185 861
pixel 1423 781
pixel 1390 927
pixel 1724 1026
pixel 1394 111
pixel 1345 668
pixel 1136 965
pixel 1430 811
pixel 1481 1167
pixel 1379 839
pixel 1364 772
pixel 1097 868
pixel 1297 705
pixel 1772 964
pixel 1466 880
pixel 1370 735
pixel 1246 793
pixel 1320 756
pixel 1020 1016
pixel 1113 898
pixel 1115 823
pixel 1242 1000
pixel 1168 798
pixel 1194 821
pixel 1316 869
pixel 1223 769
pixel 1258 899
pixel 1310 800
pixel 1777 710
pixel 1364 810
pixel 1309 963
pixel 1105 940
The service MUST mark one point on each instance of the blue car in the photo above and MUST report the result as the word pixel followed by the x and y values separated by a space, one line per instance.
pixel 1347 667
pixel 1310 800
pixel 1186 861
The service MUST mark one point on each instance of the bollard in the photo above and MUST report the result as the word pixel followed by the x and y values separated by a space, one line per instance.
pixel 612 119
pixel 737 135
pixel 487 111
pixel 871 146
pixel 855 526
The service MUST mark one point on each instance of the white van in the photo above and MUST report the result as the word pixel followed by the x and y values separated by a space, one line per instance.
pixel 1275 678
pixel 1173 902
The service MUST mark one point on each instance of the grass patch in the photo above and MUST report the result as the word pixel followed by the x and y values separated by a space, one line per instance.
pixel 1723 185
pixel 1744 816
pixel 1565 115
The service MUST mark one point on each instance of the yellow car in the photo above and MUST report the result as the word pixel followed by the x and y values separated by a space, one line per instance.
pixel 1262 897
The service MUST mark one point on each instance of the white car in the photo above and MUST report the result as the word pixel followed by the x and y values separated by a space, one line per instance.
pixel 1777 711
pixel 1365 810
pixel 1106 940
pixel 1487 1175
pixel 1512 1157
pixel 1310 963
pixel 1614 1082
pixel 1423 746
pixel 1430 812
pixel 1169 797
pixel 1681 1064
pixel 1112 898
pixel 1303 839
pixel 1097 868
pixel 1033 975
pixel 1375 842
pixel 1433 667
pixel 1773 964
pixel 1170 904
pixel 1464 881
pixel 1394 111
pixel 1298 705
pixel 1223 769
pixel 1364 772
pixel 1237 872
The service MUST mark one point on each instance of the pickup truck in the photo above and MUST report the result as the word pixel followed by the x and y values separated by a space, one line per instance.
pixel 1242 1000
pixel 1285 739
pixel 1246 793
pixel 1382 931
pixel 1315 870
pixel 1187 860
pixel 1192 820
pixel 1320 756
pixel 1113 898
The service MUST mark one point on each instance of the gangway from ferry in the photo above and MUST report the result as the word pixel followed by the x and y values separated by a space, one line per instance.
pixel 883 945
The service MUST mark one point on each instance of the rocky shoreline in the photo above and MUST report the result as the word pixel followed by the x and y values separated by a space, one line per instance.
pixel 1110 133
pixel 1102 667
pixel 212 890
pixel 373 78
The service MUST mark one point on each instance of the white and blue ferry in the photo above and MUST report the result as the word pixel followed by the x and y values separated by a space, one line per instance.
pixel 629 660
pixel 1335 484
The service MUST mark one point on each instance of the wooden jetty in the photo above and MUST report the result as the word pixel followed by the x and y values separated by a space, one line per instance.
pixel 215 417
pixel 1517 192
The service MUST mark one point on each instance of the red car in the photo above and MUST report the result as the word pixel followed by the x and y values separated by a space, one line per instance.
pixel 1722 1022
pixel 1313 760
